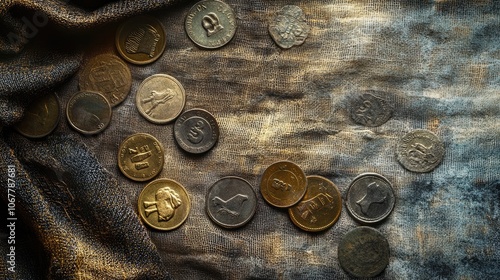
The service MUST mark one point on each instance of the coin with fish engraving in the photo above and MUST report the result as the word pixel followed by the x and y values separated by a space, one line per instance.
pixel 140 157
pixel 164 204
pixel 289 27
pixel 141 39
pixel 160 98
pixel 88 112
pixel 210 24
pixel 370 110
pixel 370 198
pixel 231 202
pixel 41 117
pixel 363 252
pixel 196 131
pixel 320 207
pixel 420 151
pixel 283 184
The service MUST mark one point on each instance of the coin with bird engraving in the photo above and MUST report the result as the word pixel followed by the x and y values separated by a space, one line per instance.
pixel 196 131
pixel 88 112
pixel 140 157
pixel 283 184
pixel 41 117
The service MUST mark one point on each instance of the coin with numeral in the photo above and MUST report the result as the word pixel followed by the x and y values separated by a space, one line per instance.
pixel 196 131
pixel 420 151
pixel 88 112
pixel 283 184
pixel 41 117
pixel 140 157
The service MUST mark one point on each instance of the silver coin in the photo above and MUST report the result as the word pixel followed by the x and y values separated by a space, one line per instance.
pixel 196 131
pixel 370 110
pixel 420 151
pixel 88 112
pixel 289 27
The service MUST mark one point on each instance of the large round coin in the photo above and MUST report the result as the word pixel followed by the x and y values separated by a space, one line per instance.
pixel 141 39
pixel 196 131
pixel 41 117
pixel 140 157
pixel 231 202
pixel 370 198
pixel 420 151
pixel 160 98
pixel 283 184
pixel 370 110
pixel 210 24
pixel 363 252
pixel 88 112
pixel 164 204
pixel 289 27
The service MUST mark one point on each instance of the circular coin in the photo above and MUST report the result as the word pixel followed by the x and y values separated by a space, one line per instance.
pixel 370 198
pixel 140 157
pixel 289 27
pixel 363 252
pixel 210 24
pixel 420 151
pixel 320 207
pixel 283 184
pixel 108 75
pixel 140 40
pixel 160 98
pixel 231 202
pixel 41 117
pixel 370 110
pixel 88 112
pixel 164 204
pixel 196 131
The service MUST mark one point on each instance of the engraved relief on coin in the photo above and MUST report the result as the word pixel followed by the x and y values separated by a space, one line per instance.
pixel 283 184
pixel 108 75
pixel 370 110
pixel 420 151
pixel 140 157
pixel 196 131
pixel 88 112
pixel 210 24
pixel 289 27
pixel 160 98
pixel 41 117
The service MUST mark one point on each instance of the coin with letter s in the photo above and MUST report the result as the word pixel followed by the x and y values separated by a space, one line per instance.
pixel 196 131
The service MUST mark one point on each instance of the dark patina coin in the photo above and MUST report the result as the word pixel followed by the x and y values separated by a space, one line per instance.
pixel 363 252
pixel 41 117
pixel 420 151
pixel 370 198
pixel 88 112
pixel 231 202
pixel 289 27
pixel 283 184
pixel 196 131
pixel 370 110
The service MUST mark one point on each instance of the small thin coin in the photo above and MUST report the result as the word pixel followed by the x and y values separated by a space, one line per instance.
pixel 283 184
pixel 41 117
pixel 320 207
pixel 140 157
pixel 363 252
pixel 164 204
pixel 108 75
pixel 420 151
pixel 289 27
pixel 370 110
pixel 370 198
pixel 210 24
pixel 160 98
pixel 141 40
pixel 196 131
pixel 88 112
pixel 231 202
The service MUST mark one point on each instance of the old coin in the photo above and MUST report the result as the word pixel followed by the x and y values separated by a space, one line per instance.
pixel 289 27
pixel 160 98
pixel 164 204
pixel 370 198
pixel 140 157
pixel 283 184
pixel 320 207
pixel 210 24
pixel 108 75
pixel 420 150
pixel 141 40
pixel 231 202
pixel 88 112
pixel 370 110
pixel 196 131
pixel 363 252
pixel 41 117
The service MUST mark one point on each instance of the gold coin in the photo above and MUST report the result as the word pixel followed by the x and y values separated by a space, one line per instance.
pixel 283 184
pixel 164 204
pixel 140 157
pixel 321 206
pixel 41 117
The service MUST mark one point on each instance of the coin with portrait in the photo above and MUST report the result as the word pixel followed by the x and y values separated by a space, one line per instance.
pixel 420 151
pixel 88 112
pixel 196 131
pixel 140 157
pixel 283 184
pixel 41 117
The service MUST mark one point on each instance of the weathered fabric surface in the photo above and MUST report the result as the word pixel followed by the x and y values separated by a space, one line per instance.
pixel 438 63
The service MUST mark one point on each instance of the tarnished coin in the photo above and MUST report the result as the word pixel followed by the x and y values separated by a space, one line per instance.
pixel 370 110
pixel 210 24
pixel 196 131
pixel 140 157
pixel 141 40
pixel 283 184
pixel 88 112
pixel 231 202
pixel 420 151
pixel 370 198
pixel 41 117
pixel 108 75
pixel 320 207
pixel 289 27
pixel 164 204
pixel 160 98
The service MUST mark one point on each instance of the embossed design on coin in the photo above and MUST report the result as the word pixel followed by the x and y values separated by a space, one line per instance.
pixel 283 184
pixel 196 131
pixel 88 112
pixel 41 117
pixel 140 157
pixel 420 151
pixel 370 110
pixel 166 201
pixel 289 27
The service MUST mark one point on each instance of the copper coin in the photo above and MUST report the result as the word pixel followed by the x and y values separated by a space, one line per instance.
pixel 289 27
pixel 88 112
pixel 283 184
pixel 140 157
pixel 41 117
pixel 420 151
pixel 370 110
pixel 196 131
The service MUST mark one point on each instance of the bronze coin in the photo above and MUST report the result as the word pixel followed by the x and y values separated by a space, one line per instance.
pixel 88 112
pixel 420 151
pixel 140 157
pixel 41 117
pixel 289 27
pixel 196 131
pixel 283 184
